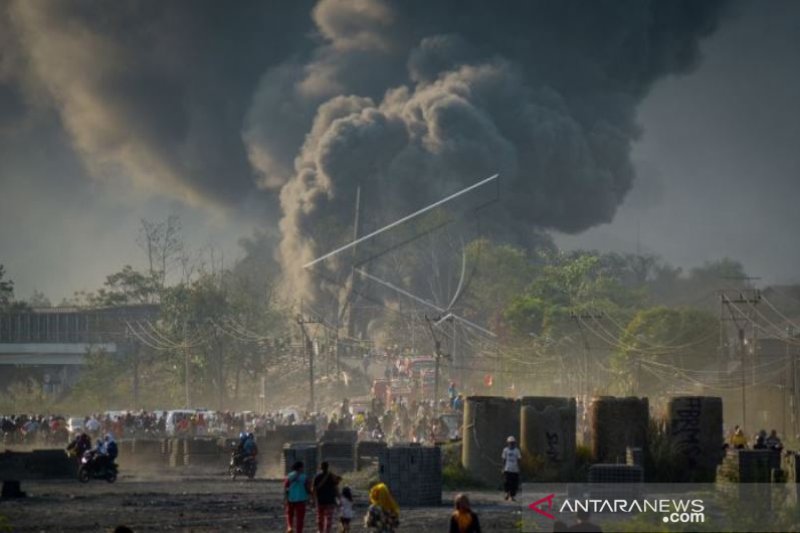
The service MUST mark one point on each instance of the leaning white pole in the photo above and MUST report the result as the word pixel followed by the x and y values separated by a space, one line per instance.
pixel 425 302
pixel 401 291
pixel 401 221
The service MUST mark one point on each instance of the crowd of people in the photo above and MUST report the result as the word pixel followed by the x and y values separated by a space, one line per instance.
pixel 334 504
pixel 761 441
pixel 398 422
pixel 55 430
pixel 322 491
pixel 33 429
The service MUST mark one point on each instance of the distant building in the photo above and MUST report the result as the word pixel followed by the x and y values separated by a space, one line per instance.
pixel 51 344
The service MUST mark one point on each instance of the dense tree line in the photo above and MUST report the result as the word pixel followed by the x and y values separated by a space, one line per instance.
pixel 220 330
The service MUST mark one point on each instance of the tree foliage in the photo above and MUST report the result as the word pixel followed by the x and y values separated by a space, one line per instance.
pixel 567 284
pixel 38 299
pixel 98 385
pixel 6 289
pixel 666 339
pixel 127 287
pixel 501 272
pixel 633 312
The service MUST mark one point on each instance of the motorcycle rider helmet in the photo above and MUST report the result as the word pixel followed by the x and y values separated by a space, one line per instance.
pixel 250 435
pixel 242 436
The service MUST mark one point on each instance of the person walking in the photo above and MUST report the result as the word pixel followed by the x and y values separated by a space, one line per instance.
pixel 346 509
pixel 511 459
pixel 324 490
pixel 296 492
pixel 383 514
pixel 464 519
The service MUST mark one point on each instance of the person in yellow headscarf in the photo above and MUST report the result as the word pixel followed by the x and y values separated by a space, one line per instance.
pixel 383 514
pixel 463 519
pixel 738 440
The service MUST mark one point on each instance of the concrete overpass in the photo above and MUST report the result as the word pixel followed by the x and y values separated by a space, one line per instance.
pixel 51 345
pixel 51 354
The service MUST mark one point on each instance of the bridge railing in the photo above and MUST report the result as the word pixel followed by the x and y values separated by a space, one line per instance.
pixel 71 325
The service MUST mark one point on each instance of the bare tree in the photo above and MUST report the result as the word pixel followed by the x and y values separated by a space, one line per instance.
pixel 162 241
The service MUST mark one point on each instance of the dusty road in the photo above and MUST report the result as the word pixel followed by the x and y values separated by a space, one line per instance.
pixel 204 502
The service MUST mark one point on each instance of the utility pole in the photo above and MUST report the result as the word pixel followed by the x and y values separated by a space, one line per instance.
pixel 136 350
pixel 136 354
pixel 787 378
pixel 584 387
pixel 345 313
pixel 457 360
pixel 263 395
pixel 337 350
pixel 188 398
pixel 413 337
pixel 308 346
pixel 437 350
pixel 752 299
pixel 793 377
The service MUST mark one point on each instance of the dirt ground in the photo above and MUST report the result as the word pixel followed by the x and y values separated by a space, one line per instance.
pixel 205 502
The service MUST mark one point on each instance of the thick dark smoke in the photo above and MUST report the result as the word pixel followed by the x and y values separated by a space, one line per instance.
pixel 412 100
pixel 203 100
pixel 152 91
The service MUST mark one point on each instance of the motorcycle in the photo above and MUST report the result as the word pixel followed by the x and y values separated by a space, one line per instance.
pixel 92 468
pixel 246 466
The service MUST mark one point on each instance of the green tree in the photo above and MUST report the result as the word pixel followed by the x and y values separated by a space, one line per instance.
pixel 97 387
pixel 567 284
pixel 205 320
pixel 253 310
pixel 661 347
pixel 126 287
pixel 7 302
pixel 38 299
pixel 633 271
pixel 501 272
pixel 6 289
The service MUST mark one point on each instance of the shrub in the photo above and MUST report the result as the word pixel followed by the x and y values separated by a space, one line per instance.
pixel 664 462
pixel 535 467
pixel 454 475
pixel 583 460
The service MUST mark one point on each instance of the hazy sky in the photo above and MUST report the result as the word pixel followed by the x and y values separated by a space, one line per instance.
pixel 718 159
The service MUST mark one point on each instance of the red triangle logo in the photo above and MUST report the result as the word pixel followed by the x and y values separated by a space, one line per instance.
pixel 547 499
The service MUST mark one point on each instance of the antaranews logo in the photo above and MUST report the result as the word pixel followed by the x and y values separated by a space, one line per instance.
pixel 674 511
pixel 548 500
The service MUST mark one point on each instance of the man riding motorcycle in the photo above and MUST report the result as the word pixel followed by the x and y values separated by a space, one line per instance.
pixel 243 459
pixel 246 448
pixel 98 463
pixel 79 445
pixel 106 452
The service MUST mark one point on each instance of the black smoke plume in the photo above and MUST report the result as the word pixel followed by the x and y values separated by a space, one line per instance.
pixel 414 100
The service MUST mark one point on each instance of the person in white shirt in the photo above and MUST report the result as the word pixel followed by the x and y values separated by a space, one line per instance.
pixel 511 459
pixel 92 426
pixel 346 513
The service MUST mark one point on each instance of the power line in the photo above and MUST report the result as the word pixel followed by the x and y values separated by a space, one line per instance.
pixel 401 221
